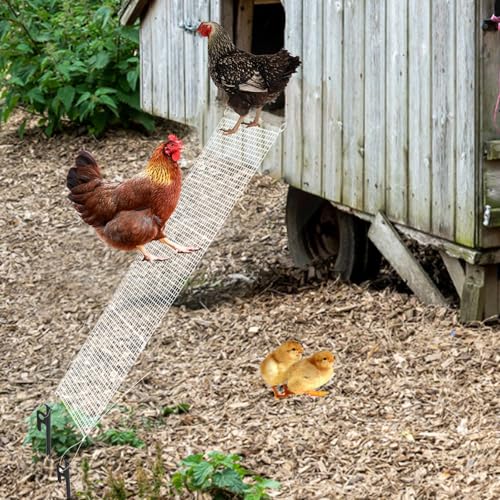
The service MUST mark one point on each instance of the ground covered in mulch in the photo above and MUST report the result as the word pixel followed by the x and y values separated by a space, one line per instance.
pixel 413 406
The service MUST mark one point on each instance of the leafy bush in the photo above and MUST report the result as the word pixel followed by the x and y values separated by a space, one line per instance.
pixel 221 476
pixel 69 60
pixel 64 433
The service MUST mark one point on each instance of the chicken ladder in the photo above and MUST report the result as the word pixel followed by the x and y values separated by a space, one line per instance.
pixel 216 181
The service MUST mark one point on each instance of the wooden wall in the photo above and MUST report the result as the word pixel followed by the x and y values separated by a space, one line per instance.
pixel 392 125
pixel 380 116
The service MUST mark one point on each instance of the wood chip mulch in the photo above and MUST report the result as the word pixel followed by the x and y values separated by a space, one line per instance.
pixel 413 406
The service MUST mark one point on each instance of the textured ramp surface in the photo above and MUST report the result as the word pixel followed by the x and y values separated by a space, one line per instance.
pixel 217 179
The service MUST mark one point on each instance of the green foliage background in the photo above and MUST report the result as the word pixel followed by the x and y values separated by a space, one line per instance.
pixel 69 61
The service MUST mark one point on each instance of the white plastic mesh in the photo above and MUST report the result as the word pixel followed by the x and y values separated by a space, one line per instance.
pixel 217 179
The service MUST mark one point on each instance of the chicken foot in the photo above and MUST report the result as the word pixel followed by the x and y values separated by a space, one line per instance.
pixel 148 256
pixel 233 130
pixel 282 395
pixel 256 120
pixel 178 248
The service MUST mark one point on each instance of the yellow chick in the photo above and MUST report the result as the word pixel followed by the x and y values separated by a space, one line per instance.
pixel 275 366
pixel 307 375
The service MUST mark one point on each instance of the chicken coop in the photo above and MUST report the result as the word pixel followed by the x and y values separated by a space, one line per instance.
pixel 390 134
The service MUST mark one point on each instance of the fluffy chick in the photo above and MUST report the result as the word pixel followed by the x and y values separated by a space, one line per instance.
pixel 307 375
pixel 276 364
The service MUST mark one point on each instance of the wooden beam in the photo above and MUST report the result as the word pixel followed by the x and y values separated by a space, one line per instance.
pixel 455 270
pixel 492 150
pixel 472 303
pixel 388 241
pixel 244 25
pixel 130 10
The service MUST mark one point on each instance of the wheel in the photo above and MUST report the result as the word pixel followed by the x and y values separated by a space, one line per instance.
pixel 317 231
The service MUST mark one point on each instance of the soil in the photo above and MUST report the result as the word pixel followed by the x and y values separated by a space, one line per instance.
pixel 413 405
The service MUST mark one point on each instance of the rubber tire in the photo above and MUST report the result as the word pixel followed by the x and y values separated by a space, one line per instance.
pixel 318 231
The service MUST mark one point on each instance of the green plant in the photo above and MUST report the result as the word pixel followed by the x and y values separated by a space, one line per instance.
pixel 64 433
pixel 116 488
pixel 69 61
pixel 117 437
pixel 221 476
pixel 158 473
pixel 176 409
pixel 88 485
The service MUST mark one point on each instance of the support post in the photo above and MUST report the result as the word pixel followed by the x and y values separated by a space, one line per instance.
pixel 385 237
pixel 472 303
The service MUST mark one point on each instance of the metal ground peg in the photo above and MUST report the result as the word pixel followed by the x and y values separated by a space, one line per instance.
pixel 63 472
pixel 44 419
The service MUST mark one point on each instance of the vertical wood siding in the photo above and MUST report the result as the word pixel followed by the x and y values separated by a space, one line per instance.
pixel 333 29
pixel 375 94
pixel 292 153
pixel 353 106
pixel 420 116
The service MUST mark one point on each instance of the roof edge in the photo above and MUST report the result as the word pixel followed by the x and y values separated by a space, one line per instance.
pixel 131 10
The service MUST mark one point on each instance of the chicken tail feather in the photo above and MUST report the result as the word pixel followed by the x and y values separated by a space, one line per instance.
pixel 84 171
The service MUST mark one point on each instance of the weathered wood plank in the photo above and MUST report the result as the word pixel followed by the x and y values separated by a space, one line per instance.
pixel 472 303
pixel 397 111
pixel 273 162
pixel 292 156
pixel 215 108
pixel 130 11
pixel 455 270
pixel 391 246
pixel 443 125
pixel 333 34
pixel 312 118
pixel 375 93
pixel 244 25
pixel 160 57
pixel 176 81
pixel 146 76
pixel 196 64
pixel 467 158
pixel 420 117
pixel 353 109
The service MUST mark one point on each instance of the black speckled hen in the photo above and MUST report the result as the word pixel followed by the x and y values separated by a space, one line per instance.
pixel 251 81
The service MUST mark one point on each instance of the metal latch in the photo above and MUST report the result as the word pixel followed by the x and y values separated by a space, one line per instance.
pixel 189 25
pixel 487 215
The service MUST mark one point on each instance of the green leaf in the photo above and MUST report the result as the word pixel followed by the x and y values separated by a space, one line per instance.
pixel 230 480
pixel 177 481
pixel 84 97
pixel 36 95
pixel 201 473
pixel 147 121
pixel 104 91
pixel 66 96
pixel 132 77
pixel 101 60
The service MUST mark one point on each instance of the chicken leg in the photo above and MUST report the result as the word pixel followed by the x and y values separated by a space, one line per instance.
pixel 178 248
pixel 233 130
pixel 148 256
pixel 256 120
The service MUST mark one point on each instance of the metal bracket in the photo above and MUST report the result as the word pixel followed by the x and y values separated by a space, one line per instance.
pixel 487 215
pixel 44 419
pixel 64 472
pixel 189 26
